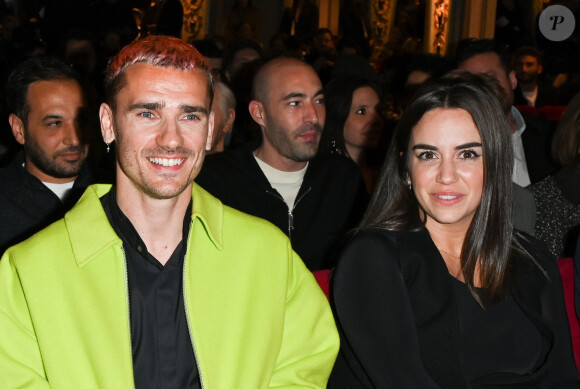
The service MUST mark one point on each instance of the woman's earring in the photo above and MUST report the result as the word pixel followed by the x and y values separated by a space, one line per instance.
pixel 409 183
pixel 108 147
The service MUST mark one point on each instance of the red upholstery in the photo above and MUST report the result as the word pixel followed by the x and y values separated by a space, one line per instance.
pixel 552 112
pixel 566 266
pixel 323 279
pixel 527 109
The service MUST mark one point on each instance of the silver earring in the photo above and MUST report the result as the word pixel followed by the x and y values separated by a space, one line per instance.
pixel 108 147
pixel 409 183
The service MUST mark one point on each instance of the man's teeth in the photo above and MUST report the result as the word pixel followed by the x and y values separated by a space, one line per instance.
pixel 166 161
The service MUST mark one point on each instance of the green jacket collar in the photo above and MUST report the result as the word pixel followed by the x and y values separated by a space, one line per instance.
pixel 89 214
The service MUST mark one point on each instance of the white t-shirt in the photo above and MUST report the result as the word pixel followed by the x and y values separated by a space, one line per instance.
pixel 286 183
pixel 531 96
pixel 61 190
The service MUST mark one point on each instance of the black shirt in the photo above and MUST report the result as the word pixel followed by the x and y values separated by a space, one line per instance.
pixel 496 339
pixel 160 340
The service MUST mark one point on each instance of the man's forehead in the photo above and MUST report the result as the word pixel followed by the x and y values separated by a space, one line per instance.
pixel 148 94
pixel 151 77
pixel 61 89
pixel 294 78
pixel 482 60
pixel 527 59
pixel 488 63
pixel 48 86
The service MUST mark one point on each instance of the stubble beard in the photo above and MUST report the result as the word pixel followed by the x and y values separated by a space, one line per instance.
pixel 50 166
pixel 290 146
pixel 167 188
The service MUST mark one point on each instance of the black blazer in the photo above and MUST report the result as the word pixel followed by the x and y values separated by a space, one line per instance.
pixel 395 306
pixel 537 141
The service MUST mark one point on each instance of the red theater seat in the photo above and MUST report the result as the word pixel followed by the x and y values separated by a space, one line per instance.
pixel 552 112
pixel 323 279
pixel 566 266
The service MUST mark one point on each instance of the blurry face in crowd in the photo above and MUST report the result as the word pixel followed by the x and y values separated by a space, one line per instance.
pixel 446 168
pixel 490 64
pixel 363 126
pixel 527 68
pixel 54 136
pixel 241 58
pixel 160 125
pixel 223 121
pixel 324 43
pixel 216 68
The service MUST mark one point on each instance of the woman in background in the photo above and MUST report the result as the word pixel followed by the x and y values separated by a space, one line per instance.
pixel 354 123
pixel 436 289
pixel 558 196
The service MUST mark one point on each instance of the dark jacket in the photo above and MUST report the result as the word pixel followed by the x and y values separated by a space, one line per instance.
pixel 537 139
pixel 397 312
pixel 27 205
pixel 546 96
pixel 330 201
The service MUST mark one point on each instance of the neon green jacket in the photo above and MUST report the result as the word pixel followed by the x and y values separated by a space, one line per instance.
pixel 256 315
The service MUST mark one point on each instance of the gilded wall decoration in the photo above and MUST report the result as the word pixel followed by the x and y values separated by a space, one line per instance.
pixel 440 19
pixel 193 17
pixel 382 20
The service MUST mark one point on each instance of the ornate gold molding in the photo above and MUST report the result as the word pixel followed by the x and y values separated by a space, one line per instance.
pixel 382 21
pixel 193 17
pixel 440 18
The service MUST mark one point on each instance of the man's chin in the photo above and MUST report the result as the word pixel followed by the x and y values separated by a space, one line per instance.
pixel 70 171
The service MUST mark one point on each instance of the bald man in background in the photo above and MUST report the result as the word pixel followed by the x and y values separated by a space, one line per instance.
pixel 313 199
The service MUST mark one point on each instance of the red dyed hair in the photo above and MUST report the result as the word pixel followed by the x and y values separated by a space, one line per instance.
pixel 156 50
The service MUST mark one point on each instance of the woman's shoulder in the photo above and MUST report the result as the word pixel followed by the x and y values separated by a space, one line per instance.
pixel 531 259
pixel 378 238
pixel 375 247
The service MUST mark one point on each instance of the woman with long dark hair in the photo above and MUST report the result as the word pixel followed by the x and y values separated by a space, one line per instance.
pixel 354 123
pixel 436 289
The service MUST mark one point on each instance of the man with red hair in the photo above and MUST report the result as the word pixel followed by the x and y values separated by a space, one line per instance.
pixel 154 283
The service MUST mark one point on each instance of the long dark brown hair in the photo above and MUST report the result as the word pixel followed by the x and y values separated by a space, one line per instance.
pixel 393 205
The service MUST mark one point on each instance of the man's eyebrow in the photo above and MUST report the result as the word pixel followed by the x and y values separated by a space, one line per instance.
pixel 293 95
pixel 52 116
pixel 193 109
pixel 149 106
pixel 159 105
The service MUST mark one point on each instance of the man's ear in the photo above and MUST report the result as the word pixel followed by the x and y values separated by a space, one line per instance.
pixel 512 79
pixel 210 128
pixel 107 123
pixel 540 69
pixel 229 122
pixel 17 126
pixel 257 111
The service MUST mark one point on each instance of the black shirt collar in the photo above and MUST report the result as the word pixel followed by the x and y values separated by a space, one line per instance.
pixel 127 232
